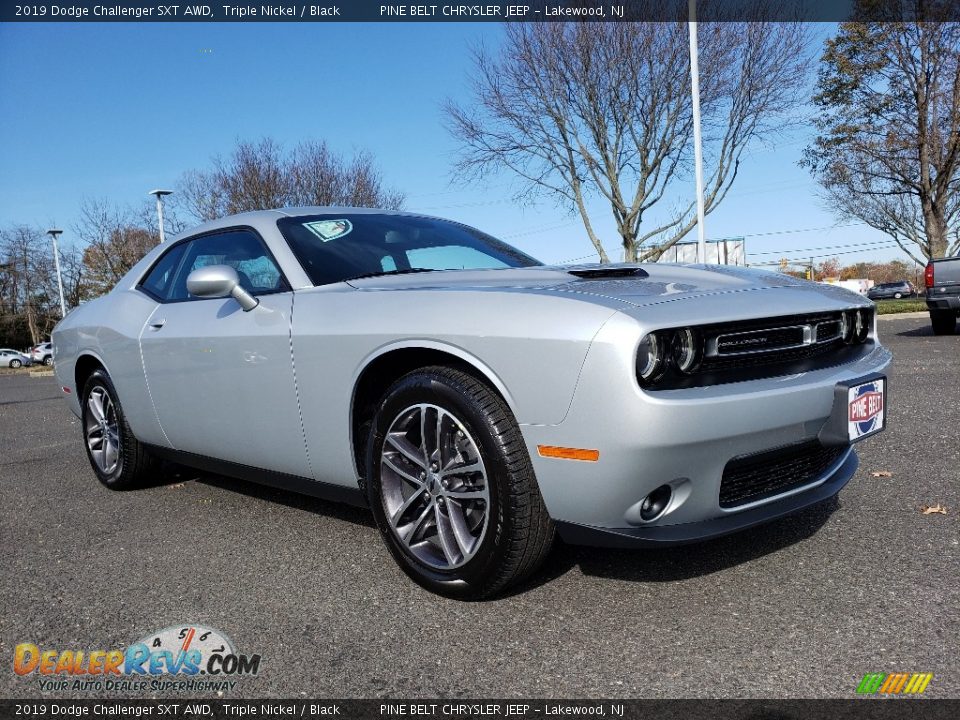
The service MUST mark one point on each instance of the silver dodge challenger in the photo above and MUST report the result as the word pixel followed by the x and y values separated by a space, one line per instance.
pixel 478 401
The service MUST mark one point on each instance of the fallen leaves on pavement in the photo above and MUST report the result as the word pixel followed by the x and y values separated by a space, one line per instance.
pixel 882 473
pixel 931 509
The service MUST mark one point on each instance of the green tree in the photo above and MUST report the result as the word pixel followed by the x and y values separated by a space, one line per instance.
pixel 887 149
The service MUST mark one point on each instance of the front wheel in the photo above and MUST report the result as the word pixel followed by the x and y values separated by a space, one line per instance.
pixel 48 360
pixel 15 364
pixel 452 487
pixel 116 456
pixel 944 322
pixel 898 295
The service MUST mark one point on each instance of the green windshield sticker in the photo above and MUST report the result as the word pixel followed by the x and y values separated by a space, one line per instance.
pixel 328 230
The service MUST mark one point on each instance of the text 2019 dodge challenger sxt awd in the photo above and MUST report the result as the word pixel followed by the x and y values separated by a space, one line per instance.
pixel 477 400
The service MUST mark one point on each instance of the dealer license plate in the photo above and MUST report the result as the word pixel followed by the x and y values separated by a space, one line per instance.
pixel 866 408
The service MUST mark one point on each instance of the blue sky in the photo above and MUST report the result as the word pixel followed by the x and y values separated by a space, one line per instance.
pixel 115 110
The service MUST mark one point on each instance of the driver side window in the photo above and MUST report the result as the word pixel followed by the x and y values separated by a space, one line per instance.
pixel 240 249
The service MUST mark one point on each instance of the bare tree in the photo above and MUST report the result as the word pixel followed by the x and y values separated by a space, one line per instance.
pixel 30 291
pixel 318 176
pixel 260 175
pixel 74 274
pixel 199 196
pixel 575 109
pixel 114 240
pixel 888 145
pixel 144 215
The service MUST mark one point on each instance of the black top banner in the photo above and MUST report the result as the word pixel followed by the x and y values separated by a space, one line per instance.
pixel 482 11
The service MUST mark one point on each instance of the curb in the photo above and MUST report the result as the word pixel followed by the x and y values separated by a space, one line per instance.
pixel 908 315
pixel 41 373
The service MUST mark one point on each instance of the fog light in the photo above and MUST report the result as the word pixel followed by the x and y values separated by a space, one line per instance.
pixel 655 503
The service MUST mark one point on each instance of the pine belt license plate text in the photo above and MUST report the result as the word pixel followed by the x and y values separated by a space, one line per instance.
pixel 866 408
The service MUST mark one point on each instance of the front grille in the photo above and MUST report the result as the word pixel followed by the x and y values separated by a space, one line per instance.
pixel 749 478
pixel 828 330
pixel 754 341
pixel 767 347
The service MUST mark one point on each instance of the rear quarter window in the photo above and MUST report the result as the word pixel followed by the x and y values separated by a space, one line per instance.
pixel 159 281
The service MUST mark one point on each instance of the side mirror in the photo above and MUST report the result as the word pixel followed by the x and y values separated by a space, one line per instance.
pixel 215 281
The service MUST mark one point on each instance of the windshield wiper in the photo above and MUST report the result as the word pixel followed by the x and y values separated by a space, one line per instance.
pixel 381 273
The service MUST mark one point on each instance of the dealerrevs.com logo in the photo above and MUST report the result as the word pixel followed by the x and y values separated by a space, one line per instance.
pixel 190 658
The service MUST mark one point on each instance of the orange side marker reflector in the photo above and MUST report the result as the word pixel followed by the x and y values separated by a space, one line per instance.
pixel 566 453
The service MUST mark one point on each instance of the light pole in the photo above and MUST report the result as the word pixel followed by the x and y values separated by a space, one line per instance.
pixel 697 142
pixel 54 233
pixel 160 194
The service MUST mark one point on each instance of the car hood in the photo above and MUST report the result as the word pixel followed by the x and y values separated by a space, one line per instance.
pixel 656 283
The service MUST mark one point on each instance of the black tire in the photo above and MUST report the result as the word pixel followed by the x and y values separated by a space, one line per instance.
pixel 15 364
pixel 897 295
pixel 519 531
pixel 48 360
pixel 944 322
pixel 135 466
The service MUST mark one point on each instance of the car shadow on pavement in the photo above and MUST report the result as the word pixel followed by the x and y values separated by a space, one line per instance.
pixel 643 565
pixel 922 331
pixel 686 561
pixel 341 511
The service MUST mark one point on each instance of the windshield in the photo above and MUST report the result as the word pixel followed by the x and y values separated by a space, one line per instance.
pixel 333 248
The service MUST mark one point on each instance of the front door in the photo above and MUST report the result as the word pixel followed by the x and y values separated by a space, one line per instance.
pixel 221 379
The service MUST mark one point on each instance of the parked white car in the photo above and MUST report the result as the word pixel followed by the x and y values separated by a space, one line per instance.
pixel 43 354
pixel 13 358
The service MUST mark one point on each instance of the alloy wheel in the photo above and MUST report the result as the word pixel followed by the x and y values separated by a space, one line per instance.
pixel 434 486
pixel 101 429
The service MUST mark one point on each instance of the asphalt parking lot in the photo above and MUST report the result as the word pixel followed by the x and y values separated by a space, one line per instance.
pixel 803 607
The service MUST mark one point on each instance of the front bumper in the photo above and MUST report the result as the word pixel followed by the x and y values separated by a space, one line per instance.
pixel 669 535
pixel 684 438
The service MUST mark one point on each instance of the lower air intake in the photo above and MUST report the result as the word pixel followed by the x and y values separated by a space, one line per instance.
pixel 750 478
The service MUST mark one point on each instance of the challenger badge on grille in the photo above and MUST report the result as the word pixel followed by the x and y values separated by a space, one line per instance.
pixel 761 340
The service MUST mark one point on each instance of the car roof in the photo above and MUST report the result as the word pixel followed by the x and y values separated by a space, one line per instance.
pixel 255 216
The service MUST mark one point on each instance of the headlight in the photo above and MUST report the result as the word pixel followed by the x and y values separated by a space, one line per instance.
pixel 846 327
pixel 861 326
pixel 650 359
pixel 855 326
pixel 686 350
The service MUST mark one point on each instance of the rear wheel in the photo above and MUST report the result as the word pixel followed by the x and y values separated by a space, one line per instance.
pixel 898 295
pixel 48 360
pixel 452 487
pixel 15 364
pixel 119 460
pixel 944 322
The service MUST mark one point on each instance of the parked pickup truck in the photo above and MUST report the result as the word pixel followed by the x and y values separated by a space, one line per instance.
pixel 942 278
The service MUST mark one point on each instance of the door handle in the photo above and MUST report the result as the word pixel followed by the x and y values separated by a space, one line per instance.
pixel 157 324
